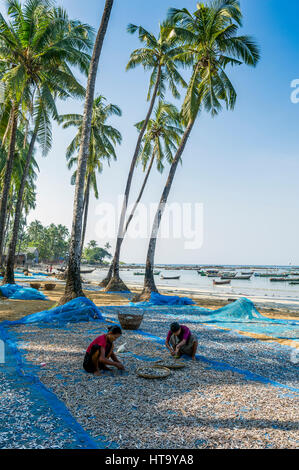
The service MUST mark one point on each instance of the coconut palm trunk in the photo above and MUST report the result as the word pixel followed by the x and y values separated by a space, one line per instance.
pixel 10 262
pixel 8 174
pixel 115 283
pixel 149 282
pixel 86 206
pixel 110 272
pixel 73 286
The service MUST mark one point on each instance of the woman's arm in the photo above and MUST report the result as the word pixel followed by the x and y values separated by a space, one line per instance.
pixel 179 345
pixel 108 362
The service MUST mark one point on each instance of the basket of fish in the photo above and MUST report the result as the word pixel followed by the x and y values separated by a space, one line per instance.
pixel 153 372
pixel 50 286
pixel 130 321
pixel 35 285
pixel 171 364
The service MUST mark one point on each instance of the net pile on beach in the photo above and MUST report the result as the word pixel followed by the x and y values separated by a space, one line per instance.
pixel 159 299
pixel 77 310
pixel 240 315
pixel 17 292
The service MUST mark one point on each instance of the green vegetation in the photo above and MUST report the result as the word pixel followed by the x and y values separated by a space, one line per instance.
pixel 41 49
pixel 93 254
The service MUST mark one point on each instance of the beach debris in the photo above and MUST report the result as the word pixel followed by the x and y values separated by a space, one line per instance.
pixel 121 348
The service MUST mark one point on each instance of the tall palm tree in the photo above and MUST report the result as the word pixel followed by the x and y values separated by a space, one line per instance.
pixel 159 143
pixel 73 286
pixel 211 43
pixel 37 47
pixel 161 55
pixel 103 138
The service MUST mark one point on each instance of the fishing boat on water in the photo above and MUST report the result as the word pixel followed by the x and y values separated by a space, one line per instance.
pixel 221 283
pixel 279 279
pixel 155 273
pixel 172 277
pixel 243 278
pixel 87 271
pixel 226 276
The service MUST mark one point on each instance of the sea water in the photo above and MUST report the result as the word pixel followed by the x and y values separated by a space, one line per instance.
pixel 191 281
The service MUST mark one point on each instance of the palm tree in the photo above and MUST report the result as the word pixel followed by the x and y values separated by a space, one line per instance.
pixel 45 43
pixel 103 138
pixel 162 56
pixel 73 286
pixel 211 43
pixel 160 141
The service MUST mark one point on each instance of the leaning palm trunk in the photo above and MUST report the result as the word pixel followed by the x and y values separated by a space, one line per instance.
pixel 115 283
pixel 10 262
pixel 105 282
pixel 8 174
pixel 149 282
pixel 73 286
pixel 86 206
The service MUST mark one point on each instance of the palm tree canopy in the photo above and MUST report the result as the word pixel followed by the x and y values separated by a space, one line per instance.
pixel 103 139
pixel 162 53
pixel 211 42
pixel 39 45
pixel 163 135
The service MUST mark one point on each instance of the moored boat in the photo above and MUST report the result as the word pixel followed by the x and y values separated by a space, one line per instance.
pixel 172 277
pixel 243 278
pixel 221 283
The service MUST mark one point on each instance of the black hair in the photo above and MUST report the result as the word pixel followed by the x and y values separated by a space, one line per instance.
pixel 115 330
pixel 174 327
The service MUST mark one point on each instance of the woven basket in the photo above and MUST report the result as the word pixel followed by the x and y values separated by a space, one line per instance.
pixel 50 286
pixel 35 285
pixel 171 364
pixel 153 375
pixel 130 321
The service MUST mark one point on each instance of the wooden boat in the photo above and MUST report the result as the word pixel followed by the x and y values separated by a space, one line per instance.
pixel 172 278
pixel 247 273
pixel 294 283
pixel 155 273
pixel 221 283
pixel 202 273
pixel 243 278
pixel 87 271
pixel 228 276
pixel 278 279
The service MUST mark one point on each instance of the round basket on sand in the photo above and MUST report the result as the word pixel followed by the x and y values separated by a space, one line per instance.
pixel 35 285
pixel 153 372
pixel 130 321
pixel 171 364
pixel 50 286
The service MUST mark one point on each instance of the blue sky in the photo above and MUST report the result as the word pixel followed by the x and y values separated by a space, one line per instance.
pixel 243 165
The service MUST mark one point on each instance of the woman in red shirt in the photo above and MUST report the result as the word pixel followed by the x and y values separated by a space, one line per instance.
pixel 100 353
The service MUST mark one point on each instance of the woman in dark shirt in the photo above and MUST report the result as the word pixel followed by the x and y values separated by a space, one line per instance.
pixel 180 341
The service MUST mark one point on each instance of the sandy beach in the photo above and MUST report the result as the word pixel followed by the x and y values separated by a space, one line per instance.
pixel 238 394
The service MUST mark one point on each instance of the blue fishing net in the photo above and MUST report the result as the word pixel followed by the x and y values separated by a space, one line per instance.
pixel 14 291
pixel 77 310
pixel 240 315
pixel 158 299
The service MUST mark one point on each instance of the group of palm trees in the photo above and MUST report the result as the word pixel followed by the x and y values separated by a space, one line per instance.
pixel 39 48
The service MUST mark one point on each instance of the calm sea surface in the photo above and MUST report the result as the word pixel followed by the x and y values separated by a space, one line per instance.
pixel 192 281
